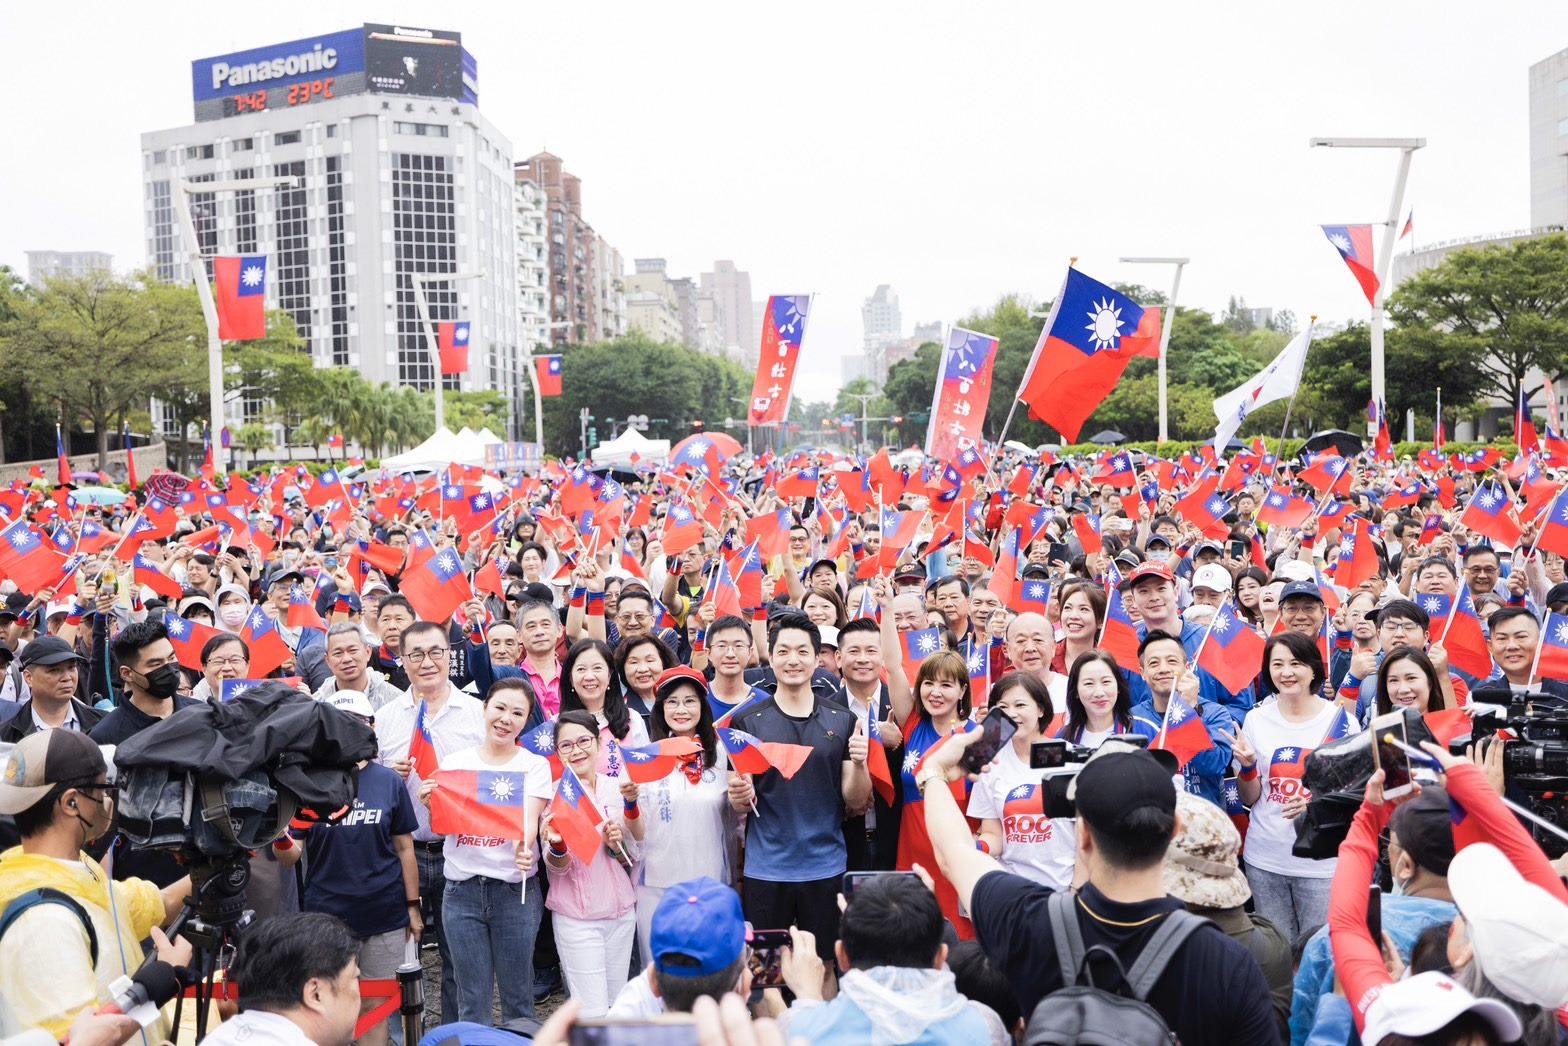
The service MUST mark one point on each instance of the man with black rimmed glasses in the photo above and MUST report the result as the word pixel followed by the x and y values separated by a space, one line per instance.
pixel 453 720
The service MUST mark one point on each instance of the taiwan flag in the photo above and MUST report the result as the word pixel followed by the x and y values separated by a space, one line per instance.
pixel 1092 334
pixel 1457 628
pixel 1281 508
pixel 143 572
pixel 1490 513
pixel 1552 657
pixel 302 610
pixel 1554 530
pixel 918 644
pixel 1118 635
pixel 452 344
pixel 1354 244
pixel 799 484
pixel 748 755
pixel 488 803
pixel 1235 809
pixel 1183 733
pixel 422 747
pixel 541 742
pixel 437 587
pixel 575 817
pixel 268 651
pixel 1031 596
pixel 724 714
pixel 242 296
pixel 1232 653
pixel 188 638
pixel 655 762
pixel 1357 555
pixel 876 757
pixel 25 559
pixel 548 370
pixel 1087 528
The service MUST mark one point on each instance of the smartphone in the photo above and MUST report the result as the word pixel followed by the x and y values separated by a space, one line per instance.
pixel 329 562
pixel 995 731
pixel 767 957
pixel 854 879
pixel 1389 757
pixel 1375 914
pixel 1239 549
pixel 667 1029
pixel 1047 755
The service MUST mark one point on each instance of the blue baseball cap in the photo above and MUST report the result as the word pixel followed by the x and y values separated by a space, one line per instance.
pixel 700 920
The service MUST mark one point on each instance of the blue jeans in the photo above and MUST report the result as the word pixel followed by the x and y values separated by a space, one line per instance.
pixel 432 887
pixel 490 927
pixel 1296 904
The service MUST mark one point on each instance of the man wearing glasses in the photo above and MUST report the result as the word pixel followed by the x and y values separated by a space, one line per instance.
pixel 453 720
pixel 1400 622
pixel 56 786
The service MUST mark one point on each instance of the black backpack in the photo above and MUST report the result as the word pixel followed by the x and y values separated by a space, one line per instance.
pixel 1081 1012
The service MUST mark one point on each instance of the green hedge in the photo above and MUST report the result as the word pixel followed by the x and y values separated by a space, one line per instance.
pixel 1175 448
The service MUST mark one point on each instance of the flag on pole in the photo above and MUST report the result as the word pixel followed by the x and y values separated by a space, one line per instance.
pixel 1409 226
pixel 1354 244
pixel 548 370
pixel 131 479
pixel 488 803
pixel 963 389
pixel 422 747
pixel 1092 334
pixel 576 818
pixel 1233 652
pixel 1524 427
pixel 1182 732
pixel 61 460
pixel 748 755
pixel 241 297
pixel 1277 381
pixel 1438 438
pixel 783 330
pixel 452 346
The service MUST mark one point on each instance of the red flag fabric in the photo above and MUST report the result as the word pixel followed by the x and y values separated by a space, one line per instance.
pixel 302 610
pixel 876 756
pixel 188 638
pixel 1354 244
pixel 241 296
pixel 489 803
pixel 649 763
pixel 63 463
pixel 144 572
pixel 452 346
pixel 1233 652
pixel 576 818
pixel 1457 628
pixel 963 390
pixel 1357 555
pixel 682 530
pixel 27 559
pixel 1076 363
pixel 422 747
pixel 1490 513
pixel 268 651
pixel 1182 733
pixel 1281 508
pixel 1087 528
pixel 548 370
pixel 437 587
pixel 783 329
pixel 1554 530
pixel 751 756
pixel 917 645
pixel 1118 635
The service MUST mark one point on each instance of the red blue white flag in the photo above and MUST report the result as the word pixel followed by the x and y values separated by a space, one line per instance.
pixel 783 329
pixel 963 390
pixel 1354 244
pixel 241 296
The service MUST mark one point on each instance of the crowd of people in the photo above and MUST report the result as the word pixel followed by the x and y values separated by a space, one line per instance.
pixel 803 648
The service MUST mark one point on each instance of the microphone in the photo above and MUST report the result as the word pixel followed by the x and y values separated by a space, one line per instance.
pixel 141 995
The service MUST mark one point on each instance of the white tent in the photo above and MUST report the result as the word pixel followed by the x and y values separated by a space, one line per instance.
pixel 619 451
pixel 440 450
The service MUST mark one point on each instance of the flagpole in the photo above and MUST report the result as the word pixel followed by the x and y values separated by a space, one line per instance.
pixel 1029 370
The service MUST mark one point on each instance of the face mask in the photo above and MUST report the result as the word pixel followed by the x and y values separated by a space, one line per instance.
pixel 163 682
pixel 233 615
pixel 1399 886
pixel 1160 557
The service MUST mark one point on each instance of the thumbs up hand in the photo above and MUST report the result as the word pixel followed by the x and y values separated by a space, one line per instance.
pixel 857 744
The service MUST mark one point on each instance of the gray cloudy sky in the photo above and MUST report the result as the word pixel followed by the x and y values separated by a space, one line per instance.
pixel 955 151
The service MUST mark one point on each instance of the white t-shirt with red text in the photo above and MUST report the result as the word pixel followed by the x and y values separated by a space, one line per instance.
pixel 1035 846
pixel 1282 749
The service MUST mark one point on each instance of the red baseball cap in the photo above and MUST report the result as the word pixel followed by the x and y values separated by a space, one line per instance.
pixel 1150 569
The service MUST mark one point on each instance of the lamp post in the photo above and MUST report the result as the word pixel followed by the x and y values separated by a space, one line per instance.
pixel 209 309
pixel 1165 332
pixel 419 280
pixel 1385 255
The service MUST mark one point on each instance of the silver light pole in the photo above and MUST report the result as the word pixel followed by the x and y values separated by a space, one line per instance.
pixel 1165 333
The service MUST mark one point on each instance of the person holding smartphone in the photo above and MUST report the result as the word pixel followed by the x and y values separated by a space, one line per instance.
pixel 1271 751
pixel 1008 799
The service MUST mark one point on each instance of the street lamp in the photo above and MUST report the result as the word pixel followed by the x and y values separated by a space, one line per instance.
pixel 533 380
pixel 419 281
pixel 1385 256
pixel 209 309
pixel 1165 331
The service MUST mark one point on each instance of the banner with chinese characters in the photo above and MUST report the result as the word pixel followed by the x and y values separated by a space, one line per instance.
pixel 963 391
pixel 783 328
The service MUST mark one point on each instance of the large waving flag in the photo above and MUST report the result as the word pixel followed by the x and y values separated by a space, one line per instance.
pixel 576 818
pixel 1091 335
pixel 1182 732
pixel 437 587
pixel 1232 652
pixel 783 330
pixel 241 297
pixel 1277 381
pixel 963 390
pixel 751 756
pixel 548 371
pixel 489 803
pixel 649 763
pixel 1354 244
pixel 452 346
pixel 1490 513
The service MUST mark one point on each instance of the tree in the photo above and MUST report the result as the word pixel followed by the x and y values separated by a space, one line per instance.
pixel 1501 310
pixel 100 345
pixel 482 409
pixel 253 439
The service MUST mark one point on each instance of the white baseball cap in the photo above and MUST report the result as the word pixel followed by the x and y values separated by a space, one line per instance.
pixel 1213 577
pixel 1422 1004
pixel 1293 570
pixel 1519 931
pixel 354 702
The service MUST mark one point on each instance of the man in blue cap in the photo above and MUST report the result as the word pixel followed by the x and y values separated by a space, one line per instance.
pixel 698 943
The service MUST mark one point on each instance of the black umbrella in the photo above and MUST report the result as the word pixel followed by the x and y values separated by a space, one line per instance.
pixel 1108 437
pixel 1348 444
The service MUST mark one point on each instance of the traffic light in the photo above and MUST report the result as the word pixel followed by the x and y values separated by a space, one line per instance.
pixel 897 419
pixel 593 436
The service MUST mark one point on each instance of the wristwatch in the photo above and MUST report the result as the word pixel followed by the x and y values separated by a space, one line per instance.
pixel 934 773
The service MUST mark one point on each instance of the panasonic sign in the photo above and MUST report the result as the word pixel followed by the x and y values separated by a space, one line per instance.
pixel 335 54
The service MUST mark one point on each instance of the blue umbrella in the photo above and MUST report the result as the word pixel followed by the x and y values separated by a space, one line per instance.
pixel 97 496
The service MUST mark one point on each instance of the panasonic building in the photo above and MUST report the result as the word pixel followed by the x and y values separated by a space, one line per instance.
pixel 396 174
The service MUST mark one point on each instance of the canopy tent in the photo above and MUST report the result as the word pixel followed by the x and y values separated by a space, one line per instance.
pixel 619 450
pixel 443 448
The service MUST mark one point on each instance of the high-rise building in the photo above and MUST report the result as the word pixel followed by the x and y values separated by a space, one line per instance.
pixel 651 305
pixel 394 174
pixel 1549 141
pixel 533 266
pixel 731 291
pixel 46 265
pixel 585 305
pixel 880 318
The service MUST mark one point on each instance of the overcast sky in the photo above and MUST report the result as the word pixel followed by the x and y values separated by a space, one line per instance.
pixel 956 152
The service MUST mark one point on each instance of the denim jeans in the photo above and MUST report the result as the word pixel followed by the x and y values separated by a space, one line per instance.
pixel 432 885
pixel 1296 904
pixel 491 926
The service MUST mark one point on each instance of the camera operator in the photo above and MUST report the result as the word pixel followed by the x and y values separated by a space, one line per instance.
pixel 298 978
pixel 60 953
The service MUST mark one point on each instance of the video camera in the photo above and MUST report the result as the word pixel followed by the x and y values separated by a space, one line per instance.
pixel 1061 762
pixel 1535 758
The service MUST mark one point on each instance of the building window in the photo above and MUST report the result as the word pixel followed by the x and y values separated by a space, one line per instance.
pixel 245 216
pixel 424 238
pixel 198 152
pixel 243 145
pixel 286 138
pixel 421 130
pixel 163 231
pixel 337 266
pixel 291 274
pixel 160 156
pixel 332 130
pixel 204 215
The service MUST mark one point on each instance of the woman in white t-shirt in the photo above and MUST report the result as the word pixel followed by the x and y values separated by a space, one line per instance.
pixel 690 830
pixel 492 905
pixel 1099 703
pixel 1271 752
pixel 1008 799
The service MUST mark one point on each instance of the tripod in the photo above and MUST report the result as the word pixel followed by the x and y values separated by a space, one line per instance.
pixel 212 919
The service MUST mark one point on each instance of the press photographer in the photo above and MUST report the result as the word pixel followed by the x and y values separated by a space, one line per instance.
pixel 67 932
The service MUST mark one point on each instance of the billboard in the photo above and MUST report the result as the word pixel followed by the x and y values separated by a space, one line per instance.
pixel 387 59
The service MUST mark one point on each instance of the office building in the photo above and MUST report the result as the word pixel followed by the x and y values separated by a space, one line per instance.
pixel 731 291
pixel 585 304
pixel 1549 141
pixel 652 308
pixel 47 265
pixel 533 266
pixel 880 318
pixel 395 174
